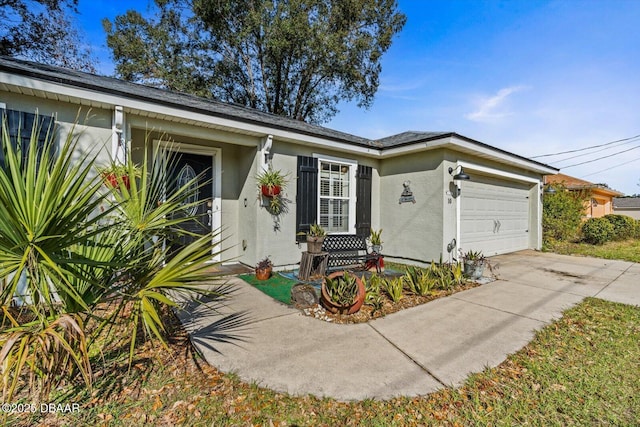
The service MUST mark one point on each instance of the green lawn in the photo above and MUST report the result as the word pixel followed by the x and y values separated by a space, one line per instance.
pixel 628 250
pixel 580 370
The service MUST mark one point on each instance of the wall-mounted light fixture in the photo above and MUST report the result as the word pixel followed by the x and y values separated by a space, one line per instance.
pixel 460 176
pixel 267 143
pixel 549 190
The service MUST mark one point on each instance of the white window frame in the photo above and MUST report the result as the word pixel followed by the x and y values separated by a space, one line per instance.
pixel 353 170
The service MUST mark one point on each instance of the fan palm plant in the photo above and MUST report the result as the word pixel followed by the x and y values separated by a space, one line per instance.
pixel 70 245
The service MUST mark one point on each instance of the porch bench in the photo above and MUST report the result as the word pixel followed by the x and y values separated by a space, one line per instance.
pixel 349 250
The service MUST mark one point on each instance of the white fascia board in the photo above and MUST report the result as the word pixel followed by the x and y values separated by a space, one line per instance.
pixel 456 143
pixel 417 147
pixel 505 157
pixel 498 172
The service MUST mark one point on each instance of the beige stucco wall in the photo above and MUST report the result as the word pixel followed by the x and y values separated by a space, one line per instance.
pixel 91 127
pixel 237 165
pixel 412 231
pixel 276 236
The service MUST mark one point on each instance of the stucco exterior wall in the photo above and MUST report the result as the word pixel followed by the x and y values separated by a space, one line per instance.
pixel 412 231
pixel 237 163
pixel 91 127
pixel 276 235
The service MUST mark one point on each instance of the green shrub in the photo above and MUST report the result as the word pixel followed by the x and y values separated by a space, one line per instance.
pixel 624 227
pixel 636 229
pixel 562 214
pixel 597 231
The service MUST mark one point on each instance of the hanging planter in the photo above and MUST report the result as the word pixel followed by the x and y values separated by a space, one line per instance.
pixel 113 180
pixel 270 191
pixel 271 182
pixel 119 174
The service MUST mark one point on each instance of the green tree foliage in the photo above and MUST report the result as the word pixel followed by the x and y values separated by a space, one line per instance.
pixel 297 58
pixel 71 247
pixel 562 213
pixel 43 31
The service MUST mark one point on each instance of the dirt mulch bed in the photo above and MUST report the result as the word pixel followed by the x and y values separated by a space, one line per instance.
pixel 367 313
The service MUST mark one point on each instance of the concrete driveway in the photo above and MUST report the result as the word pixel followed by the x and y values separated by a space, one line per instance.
pixel 413 352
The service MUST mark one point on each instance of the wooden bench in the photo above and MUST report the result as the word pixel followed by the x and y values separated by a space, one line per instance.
pixel 349 250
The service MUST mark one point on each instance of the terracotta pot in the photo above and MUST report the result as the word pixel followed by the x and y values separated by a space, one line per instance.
pixel 325 298
pixel 111 180
pixel 263 273
pixel 314 244
pixel 270 191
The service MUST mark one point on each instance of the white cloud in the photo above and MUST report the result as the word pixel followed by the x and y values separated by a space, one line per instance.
pixel 493 107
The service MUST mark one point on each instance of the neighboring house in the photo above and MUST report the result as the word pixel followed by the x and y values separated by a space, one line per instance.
pixel 629 206
pixel 600 196
pixel 403 183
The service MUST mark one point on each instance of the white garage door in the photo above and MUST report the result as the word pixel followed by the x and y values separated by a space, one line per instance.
pixel 494 215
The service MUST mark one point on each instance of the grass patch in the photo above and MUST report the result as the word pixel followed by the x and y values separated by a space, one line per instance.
pixel 277 287
pixel 627 250
pixel 580 370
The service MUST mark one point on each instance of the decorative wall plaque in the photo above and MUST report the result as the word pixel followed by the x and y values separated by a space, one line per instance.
pixel 407 194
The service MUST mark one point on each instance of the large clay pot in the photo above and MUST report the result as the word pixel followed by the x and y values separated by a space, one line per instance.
pixel 314 244
pixel 325 298
pixel 271 191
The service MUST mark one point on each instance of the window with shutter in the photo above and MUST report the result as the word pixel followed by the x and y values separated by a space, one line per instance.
pixel 19 125
pixel 363 200
pixel 306 196
pixel 335 193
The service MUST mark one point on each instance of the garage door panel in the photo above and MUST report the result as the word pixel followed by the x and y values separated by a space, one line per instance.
pixel 494 215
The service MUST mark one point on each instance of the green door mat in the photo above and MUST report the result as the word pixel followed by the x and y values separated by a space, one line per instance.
pixel 277 287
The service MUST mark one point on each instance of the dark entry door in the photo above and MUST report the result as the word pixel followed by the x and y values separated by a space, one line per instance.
pixel 187 167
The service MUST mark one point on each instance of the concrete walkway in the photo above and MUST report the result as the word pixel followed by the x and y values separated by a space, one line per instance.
pixel 412 352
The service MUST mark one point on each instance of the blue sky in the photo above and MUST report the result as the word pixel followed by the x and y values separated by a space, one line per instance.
pixel 531 77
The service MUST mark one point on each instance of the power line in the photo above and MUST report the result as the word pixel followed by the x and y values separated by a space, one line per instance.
pixel 612 167
pixel 600 158
pixel 586 148
pixel 588 154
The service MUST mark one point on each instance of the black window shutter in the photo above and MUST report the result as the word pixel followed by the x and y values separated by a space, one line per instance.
pixel 307 195
pixel 20 125
pixel 363 200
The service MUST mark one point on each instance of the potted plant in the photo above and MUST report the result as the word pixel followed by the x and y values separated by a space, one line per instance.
pixel 342 292
pixel 271 182
pixel 315 238
pixel 376 241
pixel 116 173
pixel 474 263
pixel 263 269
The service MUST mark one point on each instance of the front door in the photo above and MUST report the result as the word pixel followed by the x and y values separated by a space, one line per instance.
pixel 185 169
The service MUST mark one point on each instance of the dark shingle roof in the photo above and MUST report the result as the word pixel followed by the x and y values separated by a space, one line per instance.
pixel 626 202
pixel 183 101
pixel 113 86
